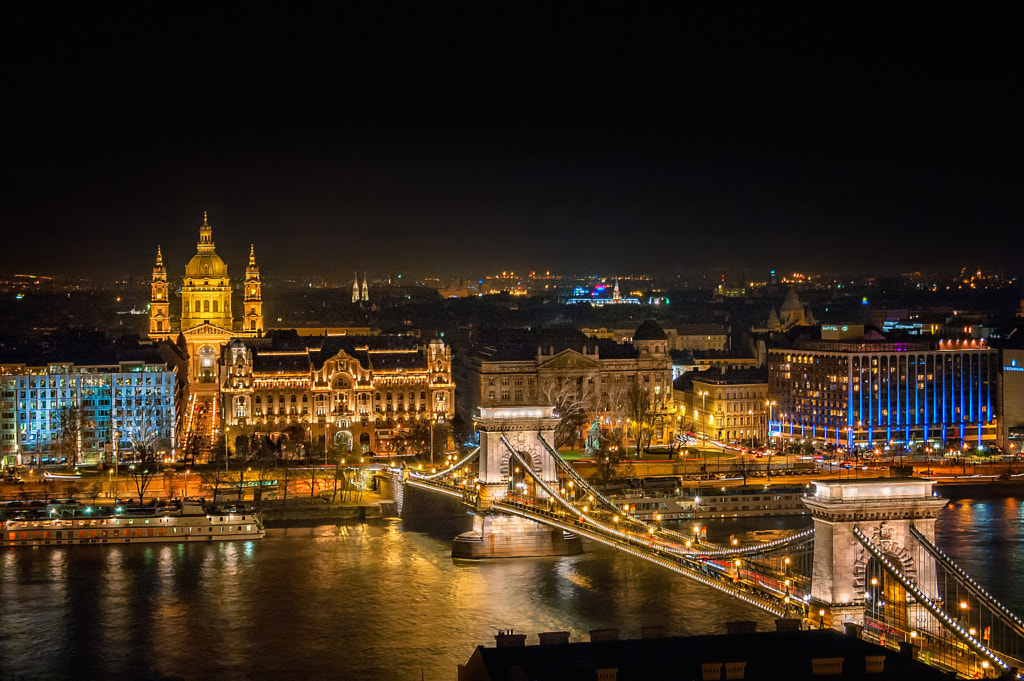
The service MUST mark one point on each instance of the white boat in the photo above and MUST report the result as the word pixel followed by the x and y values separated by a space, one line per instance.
pixel 73 524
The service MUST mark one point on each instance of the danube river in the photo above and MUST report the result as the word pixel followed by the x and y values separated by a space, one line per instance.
pixel 381 600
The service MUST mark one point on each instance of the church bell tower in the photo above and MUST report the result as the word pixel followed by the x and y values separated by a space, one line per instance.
pixel 253 304
pixel 159 305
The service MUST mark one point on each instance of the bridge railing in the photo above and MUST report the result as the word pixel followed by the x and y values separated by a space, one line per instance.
pixel 948 623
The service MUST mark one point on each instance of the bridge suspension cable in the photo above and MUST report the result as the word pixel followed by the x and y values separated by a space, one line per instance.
pixel 708 549
pixel 454 467
pixel 656 553
pixel 983 596
pixel 947 622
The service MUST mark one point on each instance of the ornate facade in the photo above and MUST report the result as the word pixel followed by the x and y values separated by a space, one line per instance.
pixel 206 323
pixel 557 367
pixel 356 392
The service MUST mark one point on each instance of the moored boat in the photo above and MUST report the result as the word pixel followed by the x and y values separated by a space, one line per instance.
pixel 186 521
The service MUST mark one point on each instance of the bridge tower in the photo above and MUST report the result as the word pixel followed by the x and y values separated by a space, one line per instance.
pixel 883 509
pixel 521 427
pixel 496 535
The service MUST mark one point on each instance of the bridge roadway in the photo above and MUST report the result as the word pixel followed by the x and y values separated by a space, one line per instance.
pixel 711 565
pixel 735 571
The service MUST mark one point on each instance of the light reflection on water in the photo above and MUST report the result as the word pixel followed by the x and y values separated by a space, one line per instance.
pixel 374 601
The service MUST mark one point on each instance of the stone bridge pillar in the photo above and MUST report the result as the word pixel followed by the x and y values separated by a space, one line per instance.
pixel 520 426
pixel 495 535
pixel 883 509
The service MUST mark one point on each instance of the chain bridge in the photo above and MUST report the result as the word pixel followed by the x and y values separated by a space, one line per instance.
pixel 868 562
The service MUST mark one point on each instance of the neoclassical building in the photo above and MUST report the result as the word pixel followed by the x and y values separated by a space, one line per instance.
pixel 357 392
pixel 207 321
pixel 515 368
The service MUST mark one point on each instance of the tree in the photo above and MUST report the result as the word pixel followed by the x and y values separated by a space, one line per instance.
pixel 744 466
pixel 640 417
pixel 95 489
pixel 193 448
pixel 143 470
pixel 461 431
pixel 144 429
pixel 217 472
pixel 264 461
pixel 574 400
pixel 607 458
pixel 214 477
pixel 69 434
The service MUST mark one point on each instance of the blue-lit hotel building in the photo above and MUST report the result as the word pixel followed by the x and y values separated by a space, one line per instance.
pixel 125 402
pixel 876 393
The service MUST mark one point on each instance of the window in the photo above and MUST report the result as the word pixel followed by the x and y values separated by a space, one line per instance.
pixel 215 306
pixel 197 306
pixel 206 306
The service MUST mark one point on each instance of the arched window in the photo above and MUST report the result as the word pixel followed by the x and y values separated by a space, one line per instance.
pixel 215 306
pixel 159 326
pixel 252 325
pixel 197 309
pixel 206 306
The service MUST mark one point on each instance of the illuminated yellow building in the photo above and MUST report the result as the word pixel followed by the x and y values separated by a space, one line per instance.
pixel 207 322
pixel 357 393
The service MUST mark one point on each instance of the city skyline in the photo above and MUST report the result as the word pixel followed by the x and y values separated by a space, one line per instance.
pixel 466 186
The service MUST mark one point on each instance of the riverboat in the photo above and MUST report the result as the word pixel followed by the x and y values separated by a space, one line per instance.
pixel 74 524
pixel 707 503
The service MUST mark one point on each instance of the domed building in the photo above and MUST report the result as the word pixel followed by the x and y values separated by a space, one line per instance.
pixel 206 323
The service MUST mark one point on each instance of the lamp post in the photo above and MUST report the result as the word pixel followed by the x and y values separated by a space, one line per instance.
pixel 750 423
pixel 771 417
pixel 703 431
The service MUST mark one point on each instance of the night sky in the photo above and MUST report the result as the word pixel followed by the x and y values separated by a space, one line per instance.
pixel 866 177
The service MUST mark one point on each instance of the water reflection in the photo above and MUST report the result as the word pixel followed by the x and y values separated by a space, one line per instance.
pixel 375 601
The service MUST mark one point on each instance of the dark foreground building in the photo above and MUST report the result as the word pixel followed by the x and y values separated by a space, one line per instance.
pixel 790 655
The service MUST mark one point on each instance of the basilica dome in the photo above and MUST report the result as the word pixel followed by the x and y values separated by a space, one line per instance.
pixel 206 265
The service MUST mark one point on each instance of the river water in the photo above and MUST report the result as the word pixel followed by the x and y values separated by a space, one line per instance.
pixel 381 600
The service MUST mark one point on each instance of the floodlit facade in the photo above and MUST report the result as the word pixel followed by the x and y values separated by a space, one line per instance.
pixel 357 392
pixel 876 393
pixel 125 404
pixel 207 320
pixel 565 366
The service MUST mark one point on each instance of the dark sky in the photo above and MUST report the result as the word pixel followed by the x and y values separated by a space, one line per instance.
pixel 852 176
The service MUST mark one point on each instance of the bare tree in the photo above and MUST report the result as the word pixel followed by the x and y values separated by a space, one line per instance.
pixel 214 478
pixel 640 415
pixel 145 430
pixel 575 400
pixel 607 458
pixel 744 466
pixel 263 459
pixel 69 434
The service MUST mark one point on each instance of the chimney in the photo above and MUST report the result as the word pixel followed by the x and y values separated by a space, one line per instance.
pixel 655 631
pixel 788 624
pixel 741 627
pixel 506 639
pixel 908 649
pixel 604 635
pixel 551 638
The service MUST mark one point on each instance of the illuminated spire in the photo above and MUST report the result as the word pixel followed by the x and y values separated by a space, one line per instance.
pixel 252 255
pixel 159 257
pixel 205 236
